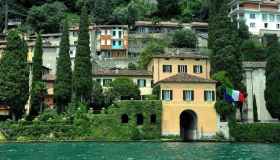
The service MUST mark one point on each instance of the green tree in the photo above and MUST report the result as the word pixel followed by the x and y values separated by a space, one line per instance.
pixel 226 55
pixel 243 31
pixel 101 11
pixel 272 80
pixel 125 89
pixel 82 75
pixel 46 18
pixel 154 47
pixel 37 83
pixel 97 97
pixel 14 75
pixel 168 8
pixel 132 66
pixel 63 83
pixel 252 50
pixel 184 38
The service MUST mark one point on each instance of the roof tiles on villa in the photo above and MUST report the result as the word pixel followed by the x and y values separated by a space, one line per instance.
pixel 185 77
pixel 121 72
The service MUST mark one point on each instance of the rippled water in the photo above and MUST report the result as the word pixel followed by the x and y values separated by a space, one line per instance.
pixel 139 151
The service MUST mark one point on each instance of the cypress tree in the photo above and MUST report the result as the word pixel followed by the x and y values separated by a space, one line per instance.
pixel 63 83
pixel 37 87
pixel 82 75
pixel 14 75
pixel 226 54
pixel 272 93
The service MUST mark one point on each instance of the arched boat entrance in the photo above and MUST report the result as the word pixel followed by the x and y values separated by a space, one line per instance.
pixel 188 125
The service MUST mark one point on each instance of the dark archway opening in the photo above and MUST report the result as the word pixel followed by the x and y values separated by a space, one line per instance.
pixel 139 119
pixel 188 125
pixel 125 118
pixel 153 119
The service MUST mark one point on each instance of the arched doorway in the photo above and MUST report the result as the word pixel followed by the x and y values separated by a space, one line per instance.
pixel 188 125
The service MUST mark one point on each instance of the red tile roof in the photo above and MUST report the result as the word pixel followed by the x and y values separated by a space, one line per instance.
pixel 184 77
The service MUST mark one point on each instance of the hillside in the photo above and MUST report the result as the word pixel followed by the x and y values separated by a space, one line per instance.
pixel 46 15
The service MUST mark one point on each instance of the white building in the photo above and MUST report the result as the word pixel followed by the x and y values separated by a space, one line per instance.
pixel 261 16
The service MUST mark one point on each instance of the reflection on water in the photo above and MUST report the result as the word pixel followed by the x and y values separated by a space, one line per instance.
pixel 139 151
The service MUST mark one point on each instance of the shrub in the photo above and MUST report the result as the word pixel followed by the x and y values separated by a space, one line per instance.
pixel 256 132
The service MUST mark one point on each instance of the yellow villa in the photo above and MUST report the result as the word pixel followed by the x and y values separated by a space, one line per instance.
pixel 187 94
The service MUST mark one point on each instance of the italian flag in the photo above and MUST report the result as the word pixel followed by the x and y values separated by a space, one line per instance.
pixel 234 95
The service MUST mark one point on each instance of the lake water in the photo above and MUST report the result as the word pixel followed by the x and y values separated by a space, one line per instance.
pixel 139 151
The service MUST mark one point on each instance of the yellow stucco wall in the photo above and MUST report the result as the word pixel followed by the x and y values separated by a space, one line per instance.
pixel 155 66
pixel 207 119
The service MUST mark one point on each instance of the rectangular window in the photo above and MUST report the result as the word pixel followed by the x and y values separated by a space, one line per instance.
pixel 120 34
pixel 209 96
pixel 114 43
pixel 252 25
pixel 188 95
pixel 278 18
pixel 182 69
pixel 167 95
pixel 102 42
pixel 120 43
pixel 278 26
pixel 253 16
pixel 107 82
pixel 108 42
pixel 271 18
pixel 264 17
pixel 114 33
pixel 197 69
pixel 265 25
pixel 141 83
pixel 167 68
pixel 98 81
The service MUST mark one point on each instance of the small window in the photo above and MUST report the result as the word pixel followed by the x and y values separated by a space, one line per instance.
pixel 264 17
pixel 120 34
pixel 114 43
pixel 265 25
pixel 278 26
pixel 153 119
pixel 182 69
pixel 271 18
pixel 98 81
pixel 141 83
pixel 120 43
pixel 167 68
pixel 114 33
pixel 209 96
pixel 167 95
pixel 252 25
pixel 125 118
pixel 107 82
pixel 278 18
pixel 188 95
pixel 139 119
pixel 197 69
pixel 253 16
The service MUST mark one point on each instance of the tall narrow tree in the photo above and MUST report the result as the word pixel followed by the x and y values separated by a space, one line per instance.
pixel 14 75
pixel 82 75
pixel 63 83
pixel 37 83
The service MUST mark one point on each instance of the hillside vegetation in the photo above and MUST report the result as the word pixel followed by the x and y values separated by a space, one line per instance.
pixel 46 15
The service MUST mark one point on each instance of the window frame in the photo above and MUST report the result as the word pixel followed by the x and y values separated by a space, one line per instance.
pixel 186 97
pixel 165 68
pixel 212 97
pixel 182 69
pixel 170 92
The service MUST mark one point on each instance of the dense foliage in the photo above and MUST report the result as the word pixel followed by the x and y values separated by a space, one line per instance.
pixel 124 88
pixel 63 83
pixel 82 75
pixel 46 18
pixel 81 125
pixel 256 132
pixel 272 80
pixel 184 38
pixel 37 88
pixel 14 75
